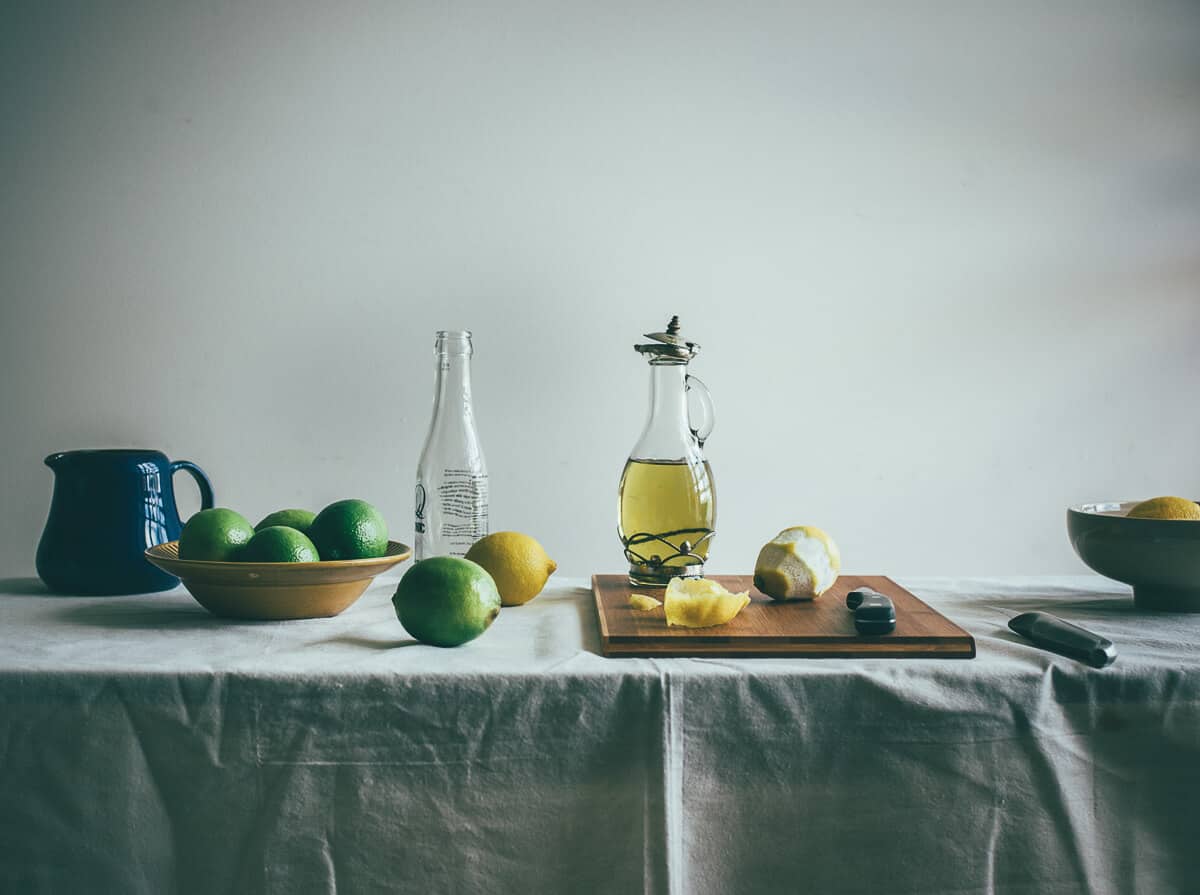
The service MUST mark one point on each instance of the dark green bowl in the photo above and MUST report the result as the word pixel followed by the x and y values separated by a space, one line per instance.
pixel 1160 558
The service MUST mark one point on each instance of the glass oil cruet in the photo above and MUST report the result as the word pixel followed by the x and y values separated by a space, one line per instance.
pixel 667 504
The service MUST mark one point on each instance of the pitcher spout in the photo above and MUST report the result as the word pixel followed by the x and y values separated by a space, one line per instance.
pixel 54 460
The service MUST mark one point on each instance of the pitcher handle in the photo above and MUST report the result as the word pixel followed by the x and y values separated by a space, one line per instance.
pixel 202 482
pixel 701 432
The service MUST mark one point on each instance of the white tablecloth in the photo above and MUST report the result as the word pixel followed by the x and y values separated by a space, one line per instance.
pixel 151 748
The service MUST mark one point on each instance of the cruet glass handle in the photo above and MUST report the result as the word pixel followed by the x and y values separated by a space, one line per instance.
pixel 701 432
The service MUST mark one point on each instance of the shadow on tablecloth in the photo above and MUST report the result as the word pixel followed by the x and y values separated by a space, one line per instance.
pixel 143 616
pixel 25 587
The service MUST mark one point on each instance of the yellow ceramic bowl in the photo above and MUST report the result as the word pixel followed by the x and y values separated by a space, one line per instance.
pixel 271 591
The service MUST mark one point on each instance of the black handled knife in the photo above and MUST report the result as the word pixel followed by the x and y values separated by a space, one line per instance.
pixel 1052 633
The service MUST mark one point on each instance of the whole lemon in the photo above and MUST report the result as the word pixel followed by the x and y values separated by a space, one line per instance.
pixel 1165 508
pixel 518 564
pixel 799 563
pixel 446 601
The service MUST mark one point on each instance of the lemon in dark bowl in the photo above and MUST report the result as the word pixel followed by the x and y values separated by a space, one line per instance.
pixel 1158 557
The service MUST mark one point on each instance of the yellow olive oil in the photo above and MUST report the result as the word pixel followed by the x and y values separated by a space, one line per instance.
pixel 662 496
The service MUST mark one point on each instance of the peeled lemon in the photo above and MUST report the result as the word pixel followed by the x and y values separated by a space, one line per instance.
pixel 1165 508
pixel 799 563
pixel 701 603
pixel 516 561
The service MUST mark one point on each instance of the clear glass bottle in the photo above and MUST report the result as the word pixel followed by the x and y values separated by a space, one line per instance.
pixel 452 479
pixel 667 502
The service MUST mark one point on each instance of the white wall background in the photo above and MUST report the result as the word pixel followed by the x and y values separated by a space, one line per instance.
pixel 943 258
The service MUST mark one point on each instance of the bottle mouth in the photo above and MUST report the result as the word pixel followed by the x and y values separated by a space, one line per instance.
pixel 454 342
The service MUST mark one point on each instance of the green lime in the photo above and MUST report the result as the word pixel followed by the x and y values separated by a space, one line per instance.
pixel 301 520
pixel 215 534
pixel 349 529
pixel 278 543
pixel 446 601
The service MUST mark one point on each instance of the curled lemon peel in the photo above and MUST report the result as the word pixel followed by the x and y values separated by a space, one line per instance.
pixel 643 602
pixel 701 603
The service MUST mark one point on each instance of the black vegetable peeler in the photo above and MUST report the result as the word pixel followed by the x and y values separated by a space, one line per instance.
pixel 873 612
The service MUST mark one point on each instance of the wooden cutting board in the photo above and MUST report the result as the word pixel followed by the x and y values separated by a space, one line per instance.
pixel 816 628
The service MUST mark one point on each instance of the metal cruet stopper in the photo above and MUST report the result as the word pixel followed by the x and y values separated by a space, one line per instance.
pixel 669 345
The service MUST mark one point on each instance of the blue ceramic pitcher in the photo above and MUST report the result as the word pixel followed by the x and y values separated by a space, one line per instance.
pixel 110 506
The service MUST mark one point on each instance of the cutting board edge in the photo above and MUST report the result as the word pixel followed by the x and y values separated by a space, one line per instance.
pixel 639 652
pixel 598 601
pixel 803 640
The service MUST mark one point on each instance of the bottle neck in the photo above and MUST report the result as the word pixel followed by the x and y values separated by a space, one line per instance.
pixel 453 387
pixel 667 435
pixel 668 399
pixel 452 390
